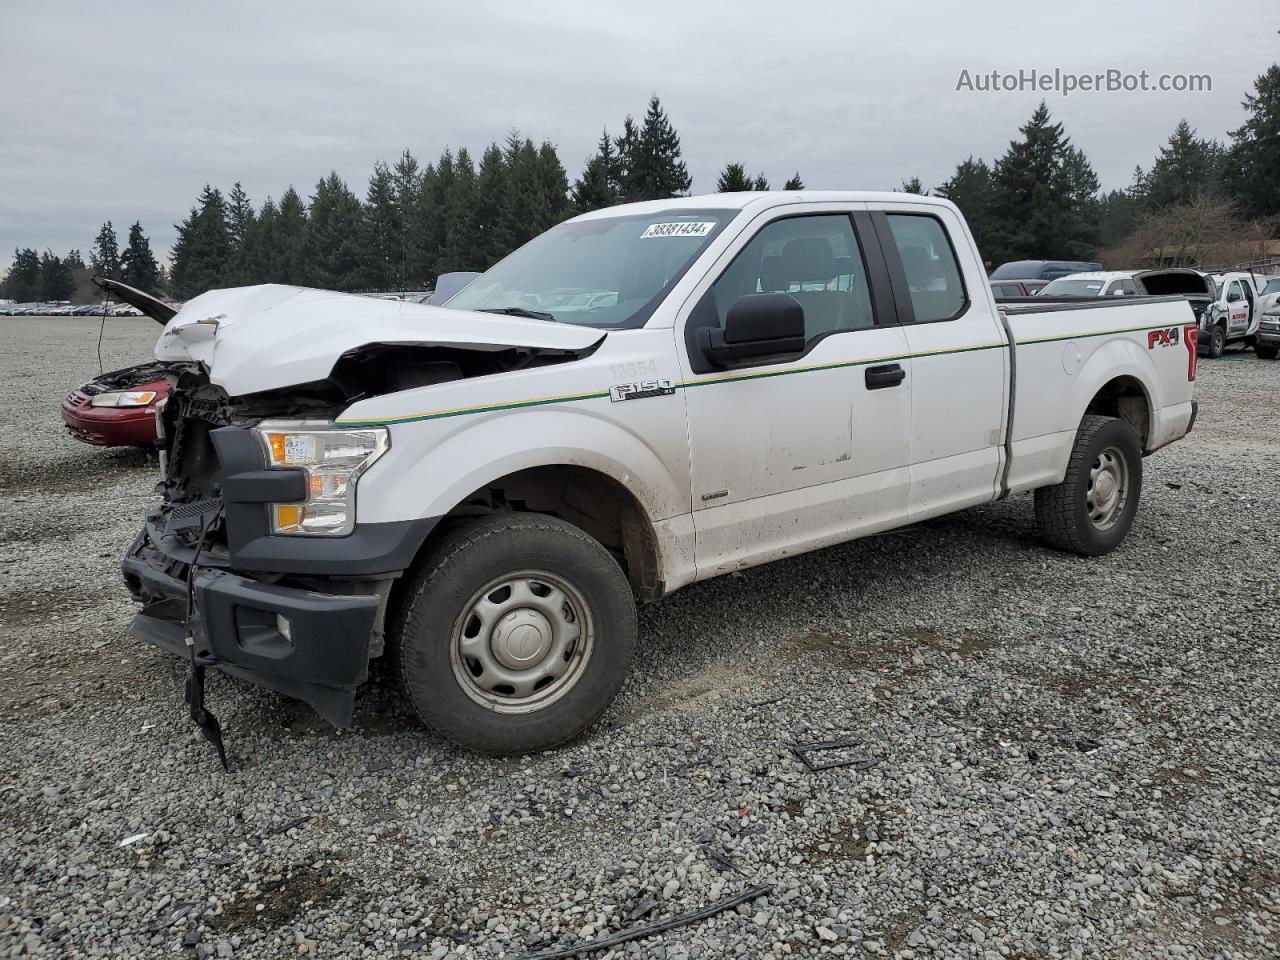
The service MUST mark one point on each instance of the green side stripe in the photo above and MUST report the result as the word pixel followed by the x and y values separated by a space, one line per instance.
pixel 740 378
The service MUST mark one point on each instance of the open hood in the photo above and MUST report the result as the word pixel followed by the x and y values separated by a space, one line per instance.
pixel 150 306
pixel 252 339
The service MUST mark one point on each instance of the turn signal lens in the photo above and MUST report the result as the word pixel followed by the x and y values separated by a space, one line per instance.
pixel 288 518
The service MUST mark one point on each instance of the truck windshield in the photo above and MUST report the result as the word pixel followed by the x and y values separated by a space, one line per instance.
pixel 1066 287
pixel 609 271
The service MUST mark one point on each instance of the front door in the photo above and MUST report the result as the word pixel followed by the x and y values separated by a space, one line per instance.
pixel 787 456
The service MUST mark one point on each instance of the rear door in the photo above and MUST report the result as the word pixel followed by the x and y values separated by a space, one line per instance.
pixel 789 455
pixel 959 359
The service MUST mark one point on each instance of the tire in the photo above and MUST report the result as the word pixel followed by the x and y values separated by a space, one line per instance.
pixel 1070 516
pixel 1217 342
pixel 1265 352
pixel 519 597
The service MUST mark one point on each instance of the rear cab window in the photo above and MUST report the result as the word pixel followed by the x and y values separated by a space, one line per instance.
pixel 931 267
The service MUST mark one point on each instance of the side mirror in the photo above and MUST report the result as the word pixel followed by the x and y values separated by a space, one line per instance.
pixel 757 325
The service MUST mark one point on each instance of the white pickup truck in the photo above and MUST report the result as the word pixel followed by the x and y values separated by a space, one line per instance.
pixel 640 398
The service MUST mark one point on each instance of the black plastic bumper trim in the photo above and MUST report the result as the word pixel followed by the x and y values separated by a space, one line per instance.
pixel 324 659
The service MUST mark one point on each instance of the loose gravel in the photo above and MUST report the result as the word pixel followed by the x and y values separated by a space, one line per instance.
pixel 1055 757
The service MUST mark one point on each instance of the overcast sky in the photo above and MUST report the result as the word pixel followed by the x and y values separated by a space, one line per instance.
pixel 124 111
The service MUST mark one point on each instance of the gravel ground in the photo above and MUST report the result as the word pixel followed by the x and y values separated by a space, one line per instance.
pixel 1060 757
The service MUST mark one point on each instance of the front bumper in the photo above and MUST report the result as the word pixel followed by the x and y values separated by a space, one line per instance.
pixel 1268 336
pixel 235 627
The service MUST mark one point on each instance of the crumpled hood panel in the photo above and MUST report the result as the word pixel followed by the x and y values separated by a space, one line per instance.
pixel 259 338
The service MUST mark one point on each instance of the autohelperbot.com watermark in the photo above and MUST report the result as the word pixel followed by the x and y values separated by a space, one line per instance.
pixel 1065 82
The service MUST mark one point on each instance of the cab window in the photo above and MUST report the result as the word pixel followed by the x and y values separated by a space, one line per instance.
pixel 1234 292
pixel 930 265
pixel 817 260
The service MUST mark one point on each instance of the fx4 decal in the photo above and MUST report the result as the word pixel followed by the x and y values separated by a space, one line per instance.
pixel 641 389
pixel 1162 338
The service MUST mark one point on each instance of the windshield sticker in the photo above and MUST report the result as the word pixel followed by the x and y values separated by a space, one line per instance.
pixel 687 228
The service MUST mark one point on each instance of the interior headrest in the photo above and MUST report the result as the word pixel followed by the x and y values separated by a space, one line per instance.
pixel 807 259
pixel 917 263
pixel 771 277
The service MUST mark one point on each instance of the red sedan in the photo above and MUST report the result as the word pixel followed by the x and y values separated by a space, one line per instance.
pixel 117 409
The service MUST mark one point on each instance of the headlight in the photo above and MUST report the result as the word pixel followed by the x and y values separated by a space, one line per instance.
pixel 124 398
pixel 333 460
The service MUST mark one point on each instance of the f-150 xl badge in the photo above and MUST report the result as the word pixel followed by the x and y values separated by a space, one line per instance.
pixel 640 390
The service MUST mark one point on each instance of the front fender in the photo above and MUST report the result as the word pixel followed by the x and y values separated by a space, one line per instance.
pixel 433 466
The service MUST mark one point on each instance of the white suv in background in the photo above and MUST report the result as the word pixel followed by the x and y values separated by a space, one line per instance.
pixel 1097 283
pixel 1267 340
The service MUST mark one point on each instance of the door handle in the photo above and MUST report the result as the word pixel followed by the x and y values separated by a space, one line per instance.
pixel 885 375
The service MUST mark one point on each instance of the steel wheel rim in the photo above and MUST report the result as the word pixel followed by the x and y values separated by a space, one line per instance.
pixel 521 642
pixel 1108 489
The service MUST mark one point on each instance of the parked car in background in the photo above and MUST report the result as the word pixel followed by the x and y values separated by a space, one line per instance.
pixel 117 409
pixel 1041 269
pixel 1098 283
pixel 448 285
pixel 1012 289
pixel 1235 312
pixel 1266 341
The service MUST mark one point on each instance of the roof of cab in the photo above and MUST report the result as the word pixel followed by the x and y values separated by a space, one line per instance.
pixel 763 199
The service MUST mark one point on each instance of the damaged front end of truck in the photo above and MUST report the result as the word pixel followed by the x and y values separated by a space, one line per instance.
pixel 254 561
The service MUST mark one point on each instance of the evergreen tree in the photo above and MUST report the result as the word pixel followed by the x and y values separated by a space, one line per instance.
pixel 75 261
pixel 655 170
pixel 913 186
pixel 1186 167
pixel 626 148
pixel 331 245
pixel 437 185
pixel 970 189
pixel 414 264
pixel 380 232
pixel 733 179
pixel 597 187
pixel 105 254
pixel 1253 165
pixel 462 248
pixel 290 239
pixel 23 281
pixel 138 267
pixel 526 211
pixel 254 261
pixel 56 281
pixel 1117 217
pixel 239 214
pixel 1040 197
pixel 491 195
pixel 555 186
pixel 761 182
pixel 795 183
pixel 201 257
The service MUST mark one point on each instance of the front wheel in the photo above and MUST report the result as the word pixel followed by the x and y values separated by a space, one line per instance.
pixel 516 635
pixel 1092 509
pixel 1265 352
pixel 1217 342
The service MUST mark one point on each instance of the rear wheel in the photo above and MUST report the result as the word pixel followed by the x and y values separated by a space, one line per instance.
pixel 1090 512
pixel 516 635
pixel 1265 352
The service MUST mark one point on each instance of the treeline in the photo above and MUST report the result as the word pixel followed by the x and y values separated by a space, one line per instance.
pixel 414 222
pixel 1042 199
